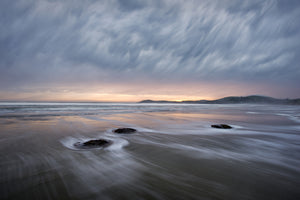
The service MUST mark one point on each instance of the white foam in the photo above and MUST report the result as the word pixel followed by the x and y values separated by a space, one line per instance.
pixel 99 171
pixel 195 130
pixel 291 117
pixel 70 141
pixel 117 143
pixel 253 112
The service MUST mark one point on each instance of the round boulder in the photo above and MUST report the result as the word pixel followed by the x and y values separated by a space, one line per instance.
pixel 124 130
pixel 221 126
pixel 92 144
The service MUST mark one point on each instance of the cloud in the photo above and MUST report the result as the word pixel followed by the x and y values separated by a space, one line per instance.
pixel 50 43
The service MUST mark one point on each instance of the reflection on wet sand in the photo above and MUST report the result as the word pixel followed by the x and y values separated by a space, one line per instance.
pixel 174 154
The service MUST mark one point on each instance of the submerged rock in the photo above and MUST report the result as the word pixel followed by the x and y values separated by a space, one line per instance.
pixel 93 144
pixel 222 126
pixel 125 130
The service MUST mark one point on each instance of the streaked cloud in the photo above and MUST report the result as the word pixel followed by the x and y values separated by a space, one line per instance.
pixel 59 45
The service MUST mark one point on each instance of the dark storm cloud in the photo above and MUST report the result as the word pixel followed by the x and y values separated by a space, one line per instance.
pixel 56 42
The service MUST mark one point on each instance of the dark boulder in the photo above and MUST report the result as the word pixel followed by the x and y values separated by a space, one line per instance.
pixel 221 126
pixel 125 130
pixel 92 144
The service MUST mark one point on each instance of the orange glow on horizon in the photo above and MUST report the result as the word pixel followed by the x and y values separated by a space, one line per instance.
pixel 134 92
pixel 100 98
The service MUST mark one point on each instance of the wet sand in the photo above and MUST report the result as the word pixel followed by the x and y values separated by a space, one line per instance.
pixel 175 154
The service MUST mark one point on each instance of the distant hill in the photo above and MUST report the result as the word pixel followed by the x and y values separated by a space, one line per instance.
pixel 253 99
pixel 151 101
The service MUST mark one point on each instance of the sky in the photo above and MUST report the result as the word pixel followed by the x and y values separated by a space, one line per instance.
pixel 131 50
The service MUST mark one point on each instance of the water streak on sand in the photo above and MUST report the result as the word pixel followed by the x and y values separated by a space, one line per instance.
pixel 174 153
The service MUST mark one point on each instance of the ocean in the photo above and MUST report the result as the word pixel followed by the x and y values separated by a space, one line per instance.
pixel 175 153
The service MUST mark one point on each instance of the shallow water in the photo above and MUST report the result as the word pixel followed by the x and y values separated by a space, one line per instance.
pixel 174 155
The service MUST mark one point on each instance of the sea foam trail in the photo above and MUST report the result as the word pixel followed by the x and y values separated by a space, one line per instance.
pixel 117 143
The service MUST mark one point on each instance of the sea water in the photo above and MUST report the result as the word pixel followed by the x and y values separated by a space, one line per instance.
pixel 175 153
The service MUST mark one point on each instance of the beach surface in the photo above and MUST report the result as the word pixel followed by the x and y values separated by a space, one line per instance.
pixel 175 153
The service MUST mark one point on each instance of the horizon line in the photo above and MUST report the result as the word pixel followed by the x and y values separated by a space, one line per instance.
pixel 88 101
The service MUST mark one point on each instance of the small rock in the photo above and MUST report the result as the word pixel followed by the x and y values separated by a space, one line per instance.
pixel 125 130
pixel 222 126
pixel 92 144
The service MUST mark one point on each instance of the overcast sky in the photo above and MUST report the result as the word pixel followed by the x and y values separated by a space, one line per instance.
pixel 135 49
